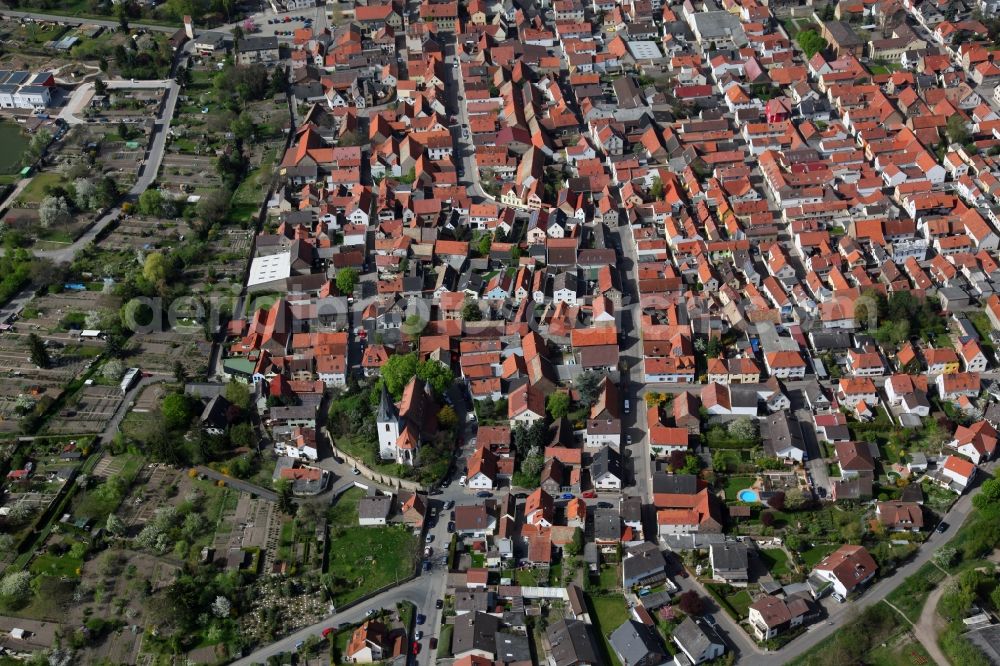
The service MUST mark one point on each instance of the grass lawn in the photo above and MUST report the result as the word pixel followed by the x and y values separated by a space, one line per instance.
pixel 737 483
pixel 56 565
pixel 812 556
pixel 609 614
pixel 906 652
pixel 364 559
pixel 526 577
pixel 909 597
pixel 14 142
pixel 609 577
pixel 740 601
pixel 776 560
pixel 444 642
pixel 35 190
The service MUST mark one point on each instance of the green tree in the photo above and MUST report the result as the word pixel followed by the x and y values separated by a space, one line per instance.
pixel 558 404
pixel 244 128
pixel 397 373
pixel 483 244
pixel 471 311
pixel 437 375
pixel 115 526
pixel 656 189
pixel 988 495
pixel 154 269
pixel 810 42
pixel 447 416
pixel 284 489
pixel 151 202
pixel 588 385
pixel 957 130
pixel 214 209
pixel 39 353
pixel 347 280
pixel 692 464
pixel 15 588
pixel 177 411
pixel 238 394
pixel 241 435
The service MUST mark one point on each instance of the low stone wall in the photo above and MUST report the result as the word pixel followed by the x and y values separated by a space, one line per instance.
pixel 378 477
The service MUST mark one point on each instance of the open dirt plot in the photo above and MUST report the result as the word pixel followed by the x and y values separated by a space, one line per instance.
pixel 138 233
pixel 159 352
pixel 89 411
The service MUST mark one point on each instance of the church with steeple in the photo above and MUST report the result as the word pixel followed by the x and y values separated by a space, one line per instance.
pixel 404 427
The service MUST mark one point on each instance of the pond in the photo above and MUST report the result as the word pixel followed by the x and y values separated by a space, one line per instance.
pixel 13 143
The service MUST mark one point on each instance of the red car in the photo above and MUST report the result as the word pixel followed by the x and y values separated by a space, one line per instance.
pixel 416 647
pixel 326 632
pixel 590 494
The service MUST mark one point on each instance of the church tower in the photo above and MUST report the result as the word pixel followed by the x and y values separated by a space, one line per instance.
pixel 387 423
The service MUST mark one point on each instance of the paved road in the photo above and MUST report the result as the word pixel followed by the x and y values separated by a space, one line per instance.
pixel 465 149
pixel 416 592
pixel 147 174
pixel 77 20
pixel 126 405
pixel 879 591
pixel 243 486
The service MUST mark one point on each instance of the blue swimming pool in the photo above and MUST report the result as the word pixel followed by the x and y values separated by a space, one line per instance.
pixel 748 496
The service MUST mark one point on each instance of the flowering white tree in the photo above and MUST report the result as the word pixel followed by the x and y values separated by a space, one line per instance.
pixel 221 607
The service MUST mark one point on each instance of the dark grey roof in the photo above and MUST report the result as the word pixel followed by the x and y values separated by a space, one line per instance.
pixel 512 648
pixel 692 637
pixel 632 509
pixel 675 484
pixel 987 639
pixel 475 631
pixel 607 525
pixel 215 411
pixel 607 461
pixel 729 556
pixel 258 43
pixel 643 561
pixel 386 408
pixel 571 642
pixel 778 432
pixel 377 506
pixel 636 643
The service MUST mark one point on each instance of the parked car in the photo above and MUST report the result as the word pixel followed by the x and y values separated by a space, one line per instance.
pixel 449 504
pixel 434 642
pixel 327 631
pixel 568 496
pixel 421 618
pixel 355 471
pixel 429 538
pixel 439 604
pixel 590 494
pixel 942 527
pixel 484 493
pixel 416 647
pixel 461 481
pixel 451 527
pixel 420 634
pixel 604 505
